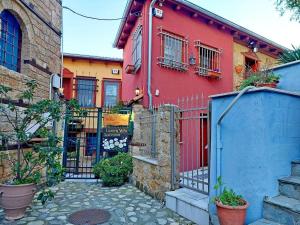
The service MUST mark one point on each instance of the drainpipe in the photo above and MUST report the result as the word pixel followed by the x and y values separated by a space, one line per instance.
pixel 150 53
pixel 219 137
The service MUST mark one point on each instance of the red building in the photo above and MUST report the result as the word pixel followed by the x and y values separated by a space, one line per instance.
pixel 181 49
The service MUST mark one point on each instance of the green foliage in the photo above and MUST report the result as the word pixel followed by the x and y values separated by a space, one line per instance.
pixel 114 171
pixel 27 123
pixel 228 196
pixel 290 55
pixel 120 108
pixel 45 195
pixel 259 77
pixel 293 6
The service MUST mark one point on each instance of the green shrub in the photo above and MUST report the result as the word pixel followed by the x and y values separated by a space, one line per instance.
pixel 228 196
pixel 114 171
pixel 259 77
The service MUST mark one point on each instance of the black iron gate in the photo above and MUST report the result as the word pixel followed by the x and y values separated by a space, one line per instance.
pixel 87 139
pixel 82 138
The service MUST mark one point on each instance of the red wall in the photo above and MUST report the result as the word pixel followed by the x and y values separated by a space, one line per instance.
pixel 171 83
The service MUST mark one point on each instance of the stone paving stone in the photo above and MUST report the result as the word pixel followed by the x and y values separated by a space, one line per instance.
pixel 127 205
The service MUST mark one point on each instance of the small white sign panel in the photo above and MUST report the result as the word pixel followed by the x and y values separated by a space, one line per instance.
pixel 115 71
pixel 158 13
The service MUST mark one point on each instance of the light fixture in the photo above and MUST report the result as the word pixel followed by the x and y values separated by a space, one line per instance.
pixel 255 49
pixel 192 59
pixel 137 91
pixel 161 2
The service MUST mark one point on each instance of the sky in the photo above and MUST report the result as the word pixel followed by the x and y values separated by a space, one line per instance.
pixel 84 36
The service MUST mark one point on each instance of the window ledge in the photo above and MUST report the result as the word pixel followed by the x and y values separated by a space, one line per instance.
pixel 6 71
pixel 182 67
pixel 146 159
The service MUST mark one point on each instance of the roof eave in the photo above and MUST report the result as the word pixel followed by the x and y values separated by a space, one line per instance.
pixel 123 21
pixel 91 57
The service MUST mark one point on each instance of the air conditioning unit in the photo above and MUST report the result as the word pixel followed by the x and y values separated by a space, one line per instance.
pixel 158 12
pixel 56 81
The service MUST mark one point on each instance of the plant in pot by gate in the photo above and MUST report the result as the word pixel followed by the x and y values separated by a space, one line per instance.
pixel 261 78
pixel 28 131
pixel 231 207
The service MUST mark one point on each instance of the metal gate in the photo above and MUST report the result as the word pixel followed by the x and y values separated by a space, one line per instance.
pixel 192 115
pixel 92 135
pixel 82 137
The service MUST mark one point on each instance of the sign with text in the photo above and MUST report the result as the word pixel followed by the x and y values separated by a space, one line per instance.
pixel 115 139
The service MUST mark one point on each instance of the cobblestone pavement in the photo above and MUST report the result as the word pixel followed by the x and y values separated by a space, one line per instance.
pixel 127 205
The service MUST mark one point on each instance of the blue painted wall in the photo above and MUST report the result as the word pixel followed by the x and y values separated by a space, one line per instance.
pixel 260 137
pixel 289 77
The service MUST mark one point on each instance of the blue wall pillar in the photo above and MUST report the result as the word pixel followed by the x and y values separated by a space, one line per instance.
pixel 260 138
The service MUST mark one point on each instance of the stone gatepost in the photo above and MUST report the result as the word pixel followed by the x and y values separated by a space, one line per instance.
pixel 157 174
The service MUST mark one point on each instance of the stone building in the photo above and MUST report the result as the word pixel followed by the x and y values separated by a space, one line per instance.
pixel 30 48
pixel 30 42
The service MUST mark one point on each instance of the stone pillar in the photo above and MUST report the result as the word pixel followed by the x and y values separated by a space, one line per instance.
pixel 154 175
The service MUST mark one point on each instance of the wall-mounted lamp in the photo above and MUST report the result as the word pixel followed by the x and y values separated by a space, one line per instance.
pixel 161 2
pixel 137 91
pixel 253 46
pixel 192 59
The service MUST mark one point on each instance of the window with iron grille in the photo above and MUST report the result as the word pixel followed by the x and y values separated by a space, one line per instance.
pixel 173 51
pixel 137 48
pixel 10 41
pixel 86 89
pixel 209 60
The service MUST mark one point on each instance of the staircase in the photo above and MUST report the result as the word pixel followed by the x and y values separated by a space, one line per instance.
pixel 284 209
pixel 189 204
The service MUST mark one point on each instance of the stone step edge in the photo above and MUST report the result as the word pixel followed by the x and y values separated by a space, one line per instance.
pixel 264 222
pixel 267 200
pixel 192 203
pixel 284 180
pixel 297 161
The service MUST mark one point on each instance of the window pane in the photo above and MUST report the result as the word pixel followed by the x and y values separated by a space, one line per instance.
pixel 111 93
pixel 86 92
pixel 172 49
pixel 137 48
pixel 9 41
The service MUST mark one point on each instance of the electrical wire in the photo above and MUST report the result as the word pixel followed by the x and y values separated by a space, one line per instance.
pixel 100 19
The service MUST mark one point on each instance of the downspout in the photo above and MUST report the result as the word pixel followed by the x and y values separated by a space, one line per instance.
pixel 219 137
pixel 62 49
pixel 150 53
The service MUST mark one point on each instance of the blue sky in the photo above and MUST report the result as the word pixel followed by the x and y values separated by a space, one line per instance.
pixel 84 36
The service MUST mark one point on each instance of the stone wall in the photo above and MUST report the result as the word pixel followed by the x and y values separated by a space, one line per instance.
pixel 153 174
pixel 40 23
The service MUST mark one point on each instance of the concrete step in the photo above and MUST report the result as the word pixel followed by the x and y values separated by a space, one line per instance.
pixel 296 167
pixel 290 187
pixel 282 209
pixel 189 204
pixel 265 222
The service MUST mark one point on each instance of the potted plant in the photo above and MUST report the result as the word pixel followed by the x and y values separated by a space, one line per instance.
pixel 263 78
pixel 231 208
pixel 35 162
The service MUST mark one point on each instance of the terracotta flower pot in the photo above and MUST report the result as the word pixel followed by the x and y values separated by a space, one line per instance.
pixel 229 215
pixel 271 85
pixel 239 69
pixel 14 199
